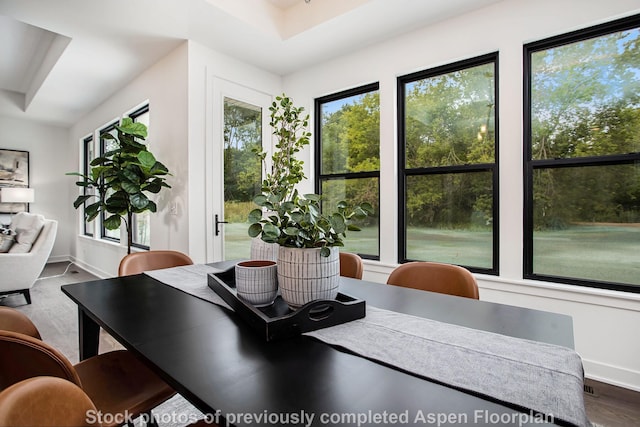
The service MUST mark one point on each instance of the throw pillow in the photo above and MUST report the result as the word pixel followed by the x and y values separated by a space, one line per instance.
pixel 6 241
pixel 27 228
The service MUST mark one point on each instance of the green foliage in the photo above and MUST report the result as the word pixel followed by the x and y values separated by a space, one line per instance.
pixel 242 138
pixel 299 222
pixel 289 124
pixel 450 121
pixel 351 144
pixel 122 178
pixel 294 220
pixel 351 136
pixel 585 102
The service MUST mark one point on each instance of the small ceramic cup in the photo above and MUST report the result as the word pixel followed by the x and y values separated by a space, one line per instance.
pixel 257 281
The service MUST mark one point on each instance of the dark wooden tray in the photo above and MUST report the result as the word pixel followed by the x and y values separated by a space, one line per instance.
pixel 278 320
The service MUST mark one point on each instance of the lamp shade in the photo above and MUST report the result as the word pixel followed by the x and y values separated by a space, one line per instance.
pixel 17 195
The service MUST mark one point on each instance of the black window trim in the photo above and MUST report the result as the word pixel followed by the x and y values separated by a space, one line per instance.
pixel 133 115
pixel 105 129
pixel 319 177
pixel 403 173
pixel 85 170
pixel 529 164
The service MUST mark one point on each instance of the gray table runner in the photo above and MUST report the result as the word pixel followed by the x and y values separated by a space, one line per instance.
pixel 544 378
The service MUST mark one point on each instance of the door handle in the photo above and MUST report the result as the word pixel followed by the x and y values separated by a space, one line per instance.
pixel 217 222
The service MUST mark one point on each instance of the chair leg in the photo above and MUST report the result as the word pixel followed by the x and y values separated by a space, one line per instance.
pixel 27 295
pixel 152 420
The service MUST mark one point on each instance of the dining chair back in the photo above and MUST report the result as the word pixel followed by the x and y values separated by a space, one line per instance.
pixel 116 382
pixel 351 265
pixel 435 277
pixel 46 401
pixel 16 321
pixel 22 357
pixel 138 262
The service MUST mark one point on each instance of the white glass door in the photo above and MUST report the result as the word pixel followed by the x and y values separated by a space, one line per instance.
pixel 241 128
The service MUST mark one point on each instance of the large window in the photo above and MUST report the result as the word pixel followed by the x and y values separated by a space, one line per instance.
pixel 141 225
pixel 348 161
pixel 88 156
pixel 582 161
pixel 448 175
pixel 107 145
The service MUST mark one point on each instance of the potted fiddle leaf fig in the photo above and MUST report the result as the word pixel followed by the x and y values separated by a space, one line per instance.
pixel 308 239
pixel 122 179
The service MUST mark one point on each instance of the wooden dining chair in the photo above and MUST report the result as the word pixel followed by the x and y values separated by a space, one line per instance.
pixel 138 262
pixel 16 321
pixel 351 265
pixel 435 277
pixel 116 382
pixel 46 401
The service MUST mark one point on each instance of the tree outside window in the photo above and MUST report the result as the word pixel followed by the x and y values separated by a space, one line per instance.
pixel 582 144
pixel 348 162
pixel 447 164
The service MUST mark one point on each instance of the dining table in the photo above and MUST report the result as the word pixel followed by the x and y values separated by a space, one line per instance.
pixel 221 365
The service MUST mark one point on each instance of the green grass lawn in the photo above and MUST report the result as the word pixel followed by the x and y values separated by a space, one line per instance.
pixel 463 247
pixel 605 253
pixel 238 242
pixel 596 252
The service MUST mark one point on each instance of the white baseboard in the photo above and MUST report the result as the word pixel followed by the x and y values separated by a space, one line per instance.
pixel 96 272
pixel 613 375
pixel 58 258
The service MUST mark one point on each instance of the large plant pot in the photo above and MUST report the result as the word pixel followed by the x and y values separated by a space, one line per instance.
pixel 261 250
pixel 304 275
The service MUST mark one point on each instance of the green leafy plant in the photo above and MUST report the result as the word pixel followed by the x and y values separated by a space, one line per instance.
pixel 289 124
pixel 299 222
pixel 122 179
pixel 294 220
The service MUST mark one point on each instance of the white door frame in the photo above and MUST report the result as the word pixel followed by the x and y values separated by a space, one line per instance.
pixel 220 88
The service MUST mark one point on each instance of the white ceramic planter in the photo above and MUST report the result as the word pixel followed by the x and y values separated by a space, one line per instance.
pixel 304 275
pixel 257 282
pixel 263 250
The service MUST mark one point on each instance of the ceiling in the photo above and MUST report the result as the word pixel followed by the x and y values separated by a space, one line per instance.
pixel 60 59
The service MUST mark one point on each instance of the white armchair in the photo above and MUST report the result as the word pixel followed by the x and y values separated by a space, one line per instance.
pixel 19 271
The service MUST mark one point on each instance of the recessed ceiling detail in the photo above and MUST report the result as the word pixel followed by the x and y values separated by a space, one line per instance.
pixel 57 79
pixel 27 55
pixel 286 18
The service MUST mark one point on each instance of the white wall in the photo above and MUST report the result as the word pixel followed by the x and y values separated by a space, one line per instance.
pixel 164 85
pixel 178 90
pixel 49 160
pixel 603 320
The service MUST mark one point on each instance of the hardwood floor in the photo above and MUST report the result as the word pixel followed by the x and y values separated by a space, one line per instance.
pixel 611 406
pixel 607 405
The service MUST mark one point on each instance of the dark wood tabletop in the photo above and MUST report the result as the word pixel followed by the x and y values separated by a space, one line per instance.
pixel 222 366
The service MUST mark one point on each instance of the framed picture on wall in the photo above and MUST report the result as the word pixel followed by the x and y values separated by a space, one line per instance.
pixel 14 173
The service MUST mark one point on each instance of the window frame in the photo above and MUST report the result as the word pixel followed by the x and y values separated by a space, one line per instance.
pixel 404 173
pixel 108 128
pixel 134 115
pixel 87 142
pixel 530 165
pixel 319 176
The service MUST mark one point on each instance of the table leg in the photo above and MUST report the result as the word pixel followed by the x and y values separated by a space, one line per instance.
pixel 88 334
